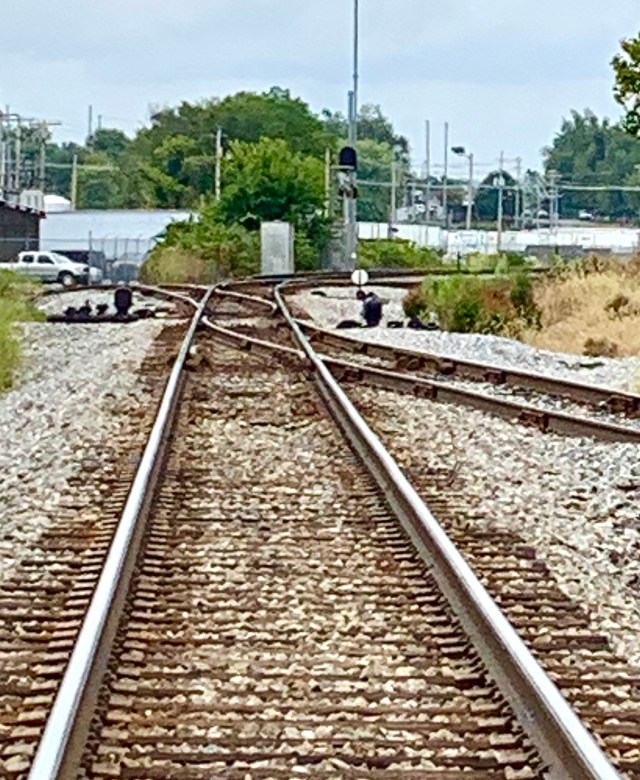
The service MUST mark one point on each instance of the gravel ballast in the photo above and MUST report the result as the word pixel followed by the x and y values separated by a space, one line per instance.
pixel 574 500
pixel 77 387
pixel 339 303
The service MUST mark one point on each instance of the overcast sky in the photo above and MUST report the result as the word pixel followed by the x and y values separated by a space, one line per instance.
pixel 502 72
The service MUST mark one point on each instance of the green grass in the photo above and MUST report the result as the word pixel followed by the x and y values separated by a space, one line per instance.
pixel 16 305
pixel 474 304
pixel 397 253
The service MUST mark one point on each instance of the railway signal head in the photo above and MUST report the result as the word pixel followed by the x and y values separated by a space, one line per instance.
pixel 348 158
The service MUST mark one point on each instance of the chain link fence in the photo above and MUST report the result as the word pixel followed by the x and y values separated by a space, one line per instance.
pixel 118 258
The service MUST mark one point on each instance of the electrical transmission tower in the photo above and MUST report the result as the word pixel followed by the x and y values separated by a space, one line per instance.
pixel 23 150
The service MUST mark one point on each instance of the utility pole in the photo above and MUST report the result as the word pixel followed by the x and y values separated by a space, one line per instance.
pixel 327 183
pixel 74 182
pixel 90 124
pixel 427 189
pixel 392 205
pixel 353 134
pixel 554 204
pixel 43 157
pixel 3 169
pixel 18 158
pixel 218 163
pixel 470 192
pixel 518 177
pixel 350 204
pixel 445 183
pixel 500 200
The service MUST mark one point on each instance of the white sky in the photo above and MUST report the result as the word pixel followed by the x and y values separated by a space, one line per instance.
pixel 502 72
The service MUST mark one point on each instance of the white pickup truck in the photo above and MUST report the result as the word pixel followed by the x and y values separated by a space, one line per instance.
pixel 49 267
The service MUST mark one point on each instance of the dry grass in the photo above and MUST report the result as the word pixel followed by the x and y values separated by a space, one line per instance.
pixel 589 310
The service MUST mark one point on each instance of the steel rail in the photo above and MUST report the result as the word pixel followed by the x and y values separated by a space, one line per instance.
pixel 311 278
pixel 545 419
pixel 561 738
pixel 249 300
pixel 249 343
pixel 478 371
pixel 60 749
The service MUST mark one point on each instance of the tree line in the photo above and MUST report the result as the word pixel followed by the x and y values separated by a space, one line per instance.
pixel 171 163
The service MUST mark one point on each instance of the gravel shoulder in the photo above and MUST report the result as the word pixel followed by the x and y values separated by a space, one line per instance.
pixel 77 388
pixel 339 303
pixel 574 500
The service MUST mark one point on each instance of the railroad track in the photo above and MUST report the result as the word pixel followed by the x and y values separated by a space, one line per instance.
pixel 262 613
pixel 43 600
pixel 538 400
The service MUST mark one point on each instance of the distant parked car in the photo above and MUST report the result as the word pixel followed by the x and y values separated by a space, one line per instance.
pixel 94 259
pixel 49 267
pixel 586 216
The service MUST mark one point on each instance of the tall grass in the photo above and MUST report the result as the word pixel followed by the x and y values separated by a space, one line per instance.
pixel 587 305
pixel 468 304
pixel 16 295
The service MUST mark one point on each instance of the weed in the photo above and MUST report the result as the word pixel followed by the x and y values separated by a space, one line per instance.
pixel 16 305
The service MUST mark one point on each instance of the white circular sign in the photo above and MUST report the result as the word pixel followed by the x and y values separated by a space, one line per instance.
pixel 360 277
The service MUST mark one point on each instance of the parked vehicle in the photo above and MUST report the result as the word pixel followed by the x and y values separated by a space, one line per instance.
pixel 96 261
pixel 49 267
pixel 585 216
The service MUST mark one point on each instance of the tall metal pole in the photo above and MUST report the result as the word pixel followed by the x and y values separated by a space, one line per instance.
pixel 327 183
pixel 351 216
pixel 392 205
pixel 356 42
pixel 500 200
pixel 470 192
pixel 18 152
pixel 218 163
pixel 445 193
pixel 43 156
pixel 2 169
pixel 74 182
pixel 427 189
pixel 518 177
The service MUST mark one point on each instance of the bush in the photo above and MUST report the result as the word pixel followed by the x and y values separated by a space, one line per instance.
pixel 500 263
pixel 202 254
pixel 467 304
pixel 397 253
pixel 16 305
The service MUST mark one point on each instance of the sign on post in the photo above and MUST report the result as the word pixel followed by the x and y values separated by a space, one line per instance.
pixel 359 277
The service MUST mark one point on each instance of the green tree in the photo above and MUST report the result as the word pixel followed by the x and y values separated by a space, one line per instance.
pixel 374 165
pixel 263 181
pixel 486 201
pixel 268 181
pixel 373 125
pixel 113 143
pixel 592 152
pixel 175 156
pixel 377 144
pixel 99 183
pixel 626 66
